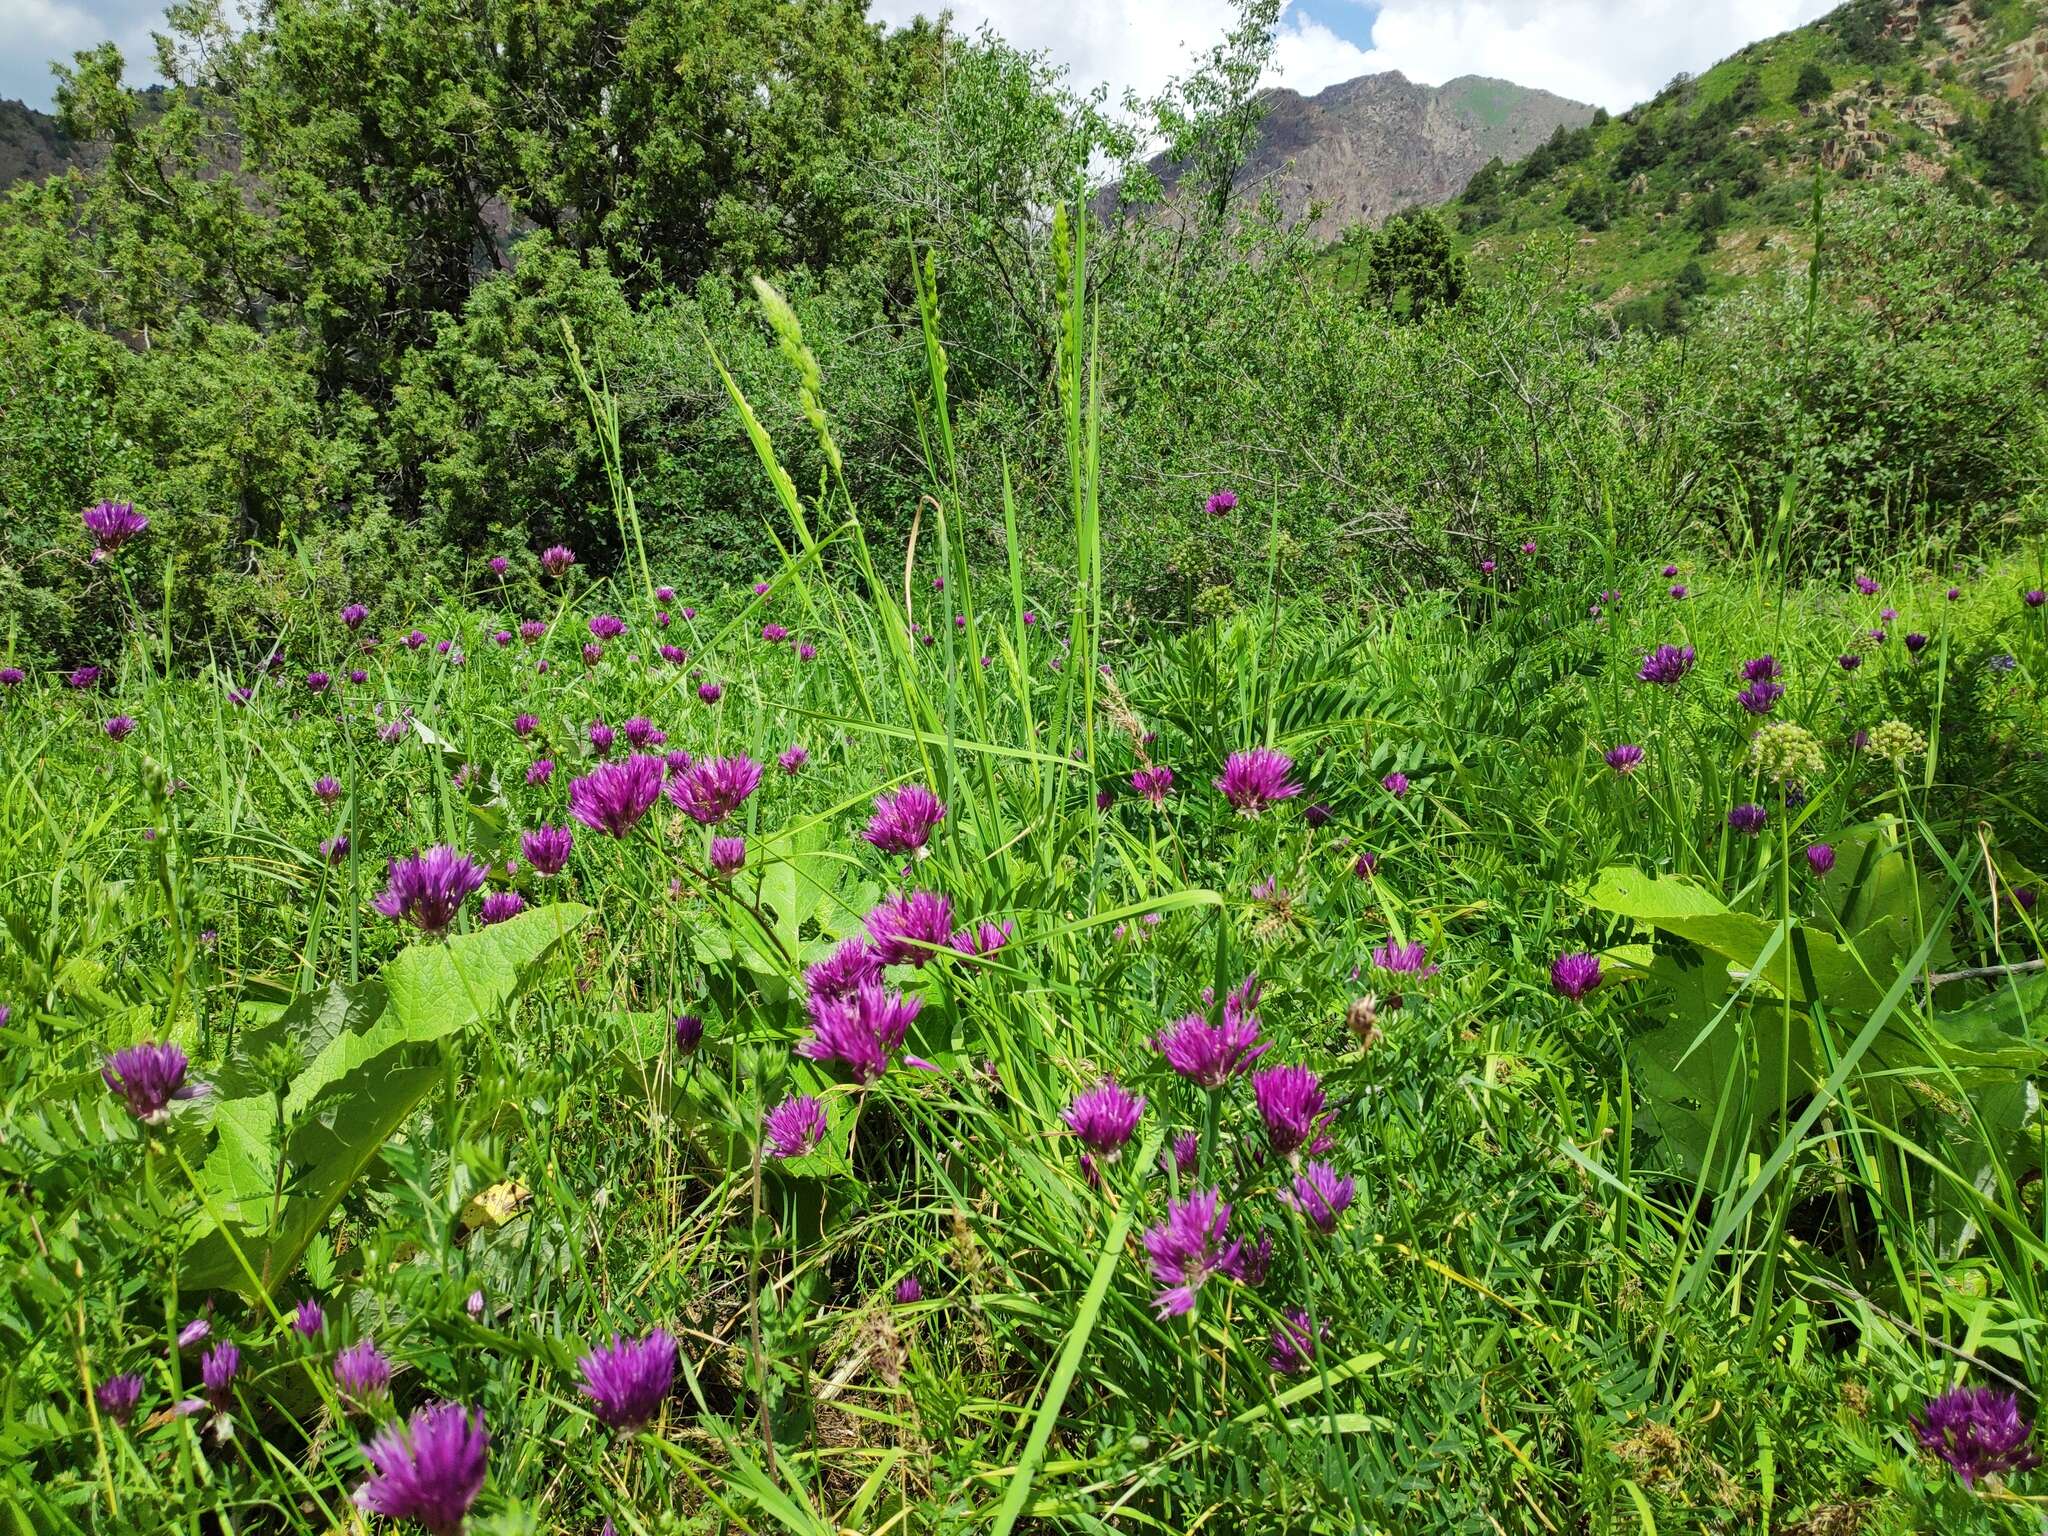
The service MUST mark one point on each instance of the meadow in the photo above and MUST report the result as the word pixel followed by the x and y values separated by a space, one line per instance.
pixel 891 1047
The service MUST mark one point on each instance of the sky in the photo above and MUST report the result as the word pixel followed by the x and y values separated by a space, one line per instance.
pixel 1612 53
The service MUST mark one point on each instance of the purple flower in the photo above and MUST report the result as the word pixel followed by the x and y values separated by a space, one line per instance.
pixel 688 1030
pixel 1979 1431
pixel 353 615
pixel 1153 783
pixel 556 559
pixel 1528 546
pixel 642 733
pixel 1666 665
pixel 334 850
pixel 1867 586
pixel 606 626
pixel 911 929
pixel 794 1126
pixel 1488 567
pixel 499 565
pixel 1758 698
pixel 217 1372
pixel 614 796
pixel 1104 1116
pixel 118 1396
pixel 1211 1054
pixel 760 589
pixel 774 634
pixel 1293 1346
pixel 1400 959
pixel 358 675
pixel 793 757
pixel 664 594
pixel 474 1306
pixel 532 630
pixel 1624 759
pixel 1222 502
pixel 1954 594
pixel 149 1076
pixel 1189 1246
pixel 1254 780
pixel 1395 784
pixel 710 693
pixel 547 848
pixel 112 524
pixel 908 1290
pixel 842 973
pixel 318 682
pixel 327 789
pixel 713 788
pixel 1850 662
pixel 119 727
pixel 1762 669
pixel 1322 1195
pixel 430 1472
pixel 1748 819
pixel 83 678
pixel 689 613
pixel 676 762
pixel 1185 1153
pixel 194 1331
pixel 2034 597
pixel 361 1375
pixel 983 938
pixel 628 1380
pixel 593 653
pixel 1365 865
pixel 1574 974
pixel 805 651
pixel 416 639
pixel 674 655
pixel 1915 643
pixel 540 770
pixel 308 1319
pixel 428 889
pixel 1678 590
pixel 859 1029
pixel 12 677
pixel 1820 858
pixel 1290 1098
pixel 728 856
pixel 601 738
pixel 904 819
pixel 500 905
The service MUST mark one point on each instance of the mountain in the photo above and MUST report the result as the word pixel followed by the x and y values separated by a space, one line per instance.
pixel 32 146
pixel 1709 185
pixel 1381 143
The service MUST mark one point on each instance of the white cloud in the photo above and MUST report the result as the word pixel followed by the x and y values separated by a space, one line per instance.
pixel 39 31
pixel 1613 53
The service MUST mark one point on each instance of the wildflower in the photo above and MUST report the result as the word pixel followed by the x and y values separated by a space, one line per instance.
pixel 1896 742
pixel 430 1471
pixel 1290 1098
pixel 908 1290
pixel 112 524
pixel 1758 698
pixel 674 655
pixel 308 1319
pixel 1678 590
pixel 499 565
pixel 540 770
pixel 1400 959
pixel 2003 663
pixel 614 796
pixel 1748 819
pixel 1487 567
pixel 760 589
pixel 793 757
pixel 1762 669
pixel 1189 1246
pixel 428 889
pixel 1104 1116
pixel 1211 1054
pixel 358 676
pixel 710 791
pixel 556 559
pixel 83 678
pixel 1979 1431
pixel 1252 781
pixel 593 653
pixel 688 1030
pixel 149 1076
pixel 12 677
pixel 1850 662
pixel 909 929
pixel 500 905
pixel 217 1372
pixel 1666 665
pixel 1153 783
pixel 1820 858
pixel 664 594
pixel 474 1306
pixel 547 848
pixel 119 727
pixel 1395 784
pixel 1954 594
pixel 628 1380
pixel 983 939
pixel 774 634
pixel 1104 799
pixel 194 1332
pixel 2034 597
pixel 1786 753
pixel 710 693
pixel 728 855
pixel 416 639
pixel 327 789
pixel 689 613
pixel 1293 1346
pixel 117 1397
pixel 1575 974
pixel 795 1126
pixel 1867 586
pixel 1184 1153
pixel 1321 1195
pixel 532 631
pixel 1221 503
pixel 1915 643
pixel 842 973
pixel 904 819
pixel 805 651
pixel 361 1375
pixel 859 1029
pixel 1365 866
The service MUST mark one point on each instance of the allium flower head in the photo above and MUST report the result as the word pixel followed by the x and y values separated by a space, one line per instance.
pixel 82 678
pixel 642 733
pixel 1292 1349
pixel 842 973
pixel 1400 959
pixel 428 889
pixel 1575 974
pixel 532 631
pixel 1820 858
pixel 430 1471
pixel 1748 819
pixel 1979 1431
pixel 1290 1100
pixel 1666 665
pixel 118 1396
pixel 728 856
pixel 308 1319
pixel 556 559
pixel 119 727
pixel 904 818
pixel 912 928
pixel 794 1126
pixel 709 693
pixel 1896 743
pixel 1254 780
pixel 327 789
pixel 983 938
pixel 1189 1246
pixel 674 655
pixel 1867 586
pixel 499 565
pixel 602 737
pixel 547 849
pixel 793 757
pixel 860 1029
pixel 613 797
pixel 150 1077
pixel 1321 1194
pixel 688 1030
pixel 361 1375
pixel 1212 1054
pixel 628 1380
pixel 712 789
pixel 1395 784
pixel 1154 784
pixel 540 770
pixel 1762 669
pixel 1104 1116
pixel 1759 698
pixel 1221 502
pixel 500 905
pixel 112 524
pixel 1786 753
pixel 318 682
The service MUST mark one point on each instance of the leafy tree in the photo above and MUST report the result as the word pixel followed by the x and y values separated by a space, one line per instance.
pixel 1691 281
pixel 1414 268
pixel 1813 84
pixel 2009 139
pixel 1587 204
pixel 1210 118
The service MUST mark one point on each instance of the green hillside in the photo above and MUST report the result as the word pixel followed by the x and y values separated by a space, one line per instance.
pixel 1710 184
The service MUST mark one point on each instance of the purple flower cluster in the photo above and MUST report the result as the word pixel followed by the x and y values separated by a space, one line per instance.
pixel 1979 1431
pixel 428 889
pixel 904 819
pixel 430 1470
pixel 613 797
pixel 1256 780
pixel 628 1380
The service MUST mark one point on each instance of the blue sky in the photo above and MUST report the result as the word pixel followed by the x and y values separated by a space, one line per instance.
pixel 1610 52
